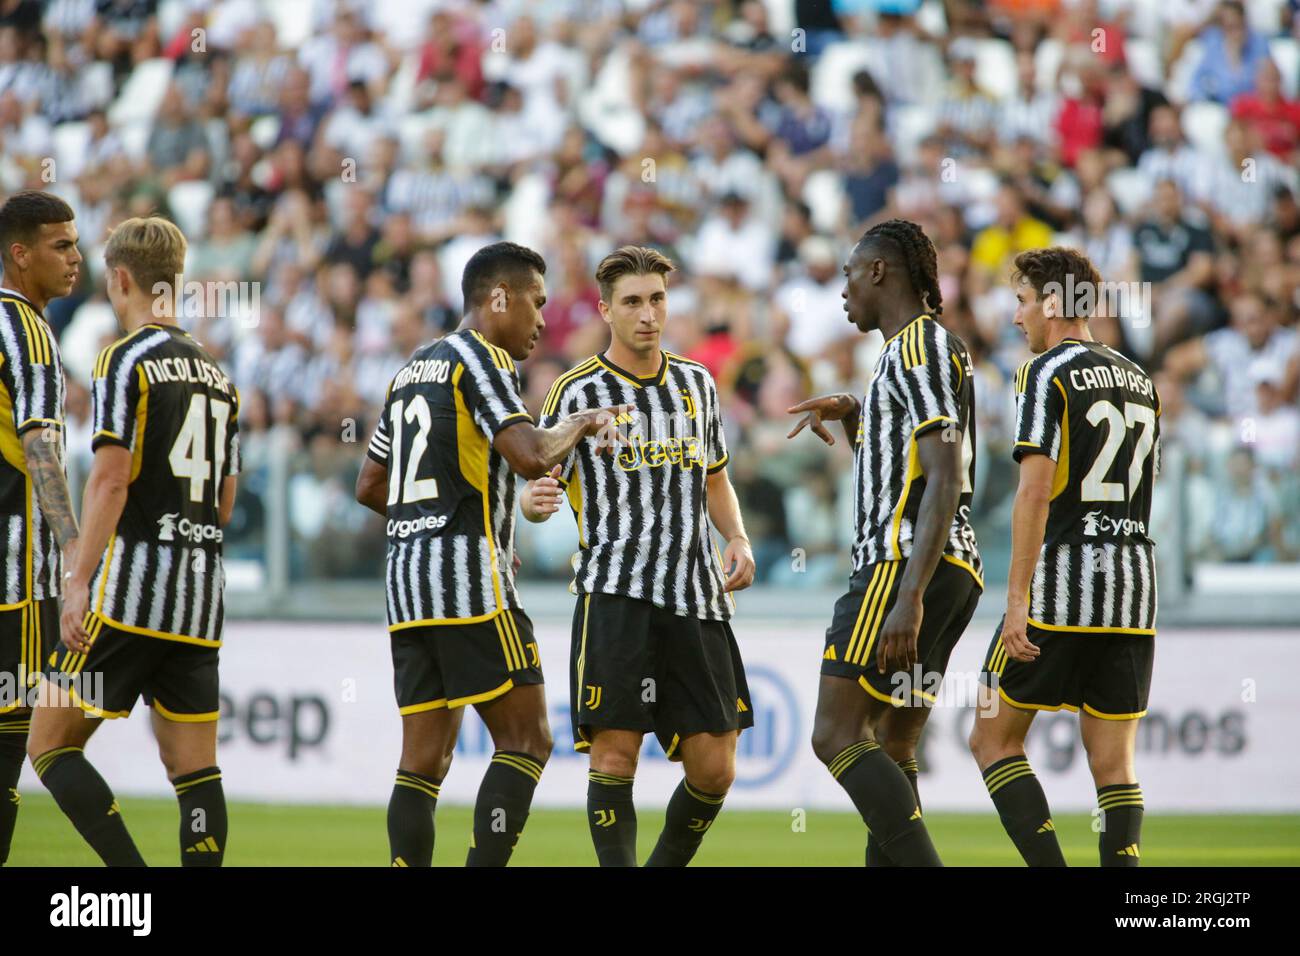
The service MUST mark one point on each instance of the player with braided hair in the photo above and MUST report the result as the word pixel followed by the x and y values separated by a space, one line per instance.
pixel 916 567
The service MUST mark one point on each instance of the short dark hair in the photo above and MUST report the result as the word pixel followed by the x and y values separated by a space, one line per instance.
pixel 23 214
pixel 1058 267
pixel 491 264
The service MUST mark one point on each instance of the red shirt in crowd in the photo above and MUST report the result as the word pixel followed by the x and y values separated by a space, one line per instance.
pixel 1278 121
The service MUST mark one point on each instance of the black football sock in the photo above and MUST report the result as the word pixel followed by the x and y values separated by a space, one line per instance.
pixel 875 855
pixel 82 794
pixel 690 814
pixel 879 789
pixel 1120 840
pixel 13 750
pixel 203 817
pixel 1022 807
pixel 501 811
pixel 612 818
pixel 411 824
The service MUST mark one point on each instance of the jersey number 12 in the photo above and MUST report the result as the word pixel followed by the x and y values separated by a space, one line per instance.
pixel 412 489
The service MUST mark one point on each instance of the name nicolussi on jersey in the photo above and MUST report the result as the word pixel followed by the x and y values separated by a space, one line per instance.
pixel 186 370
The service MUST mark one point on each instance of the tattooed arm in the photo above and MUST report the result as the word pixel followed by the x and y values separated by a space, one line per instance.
pixel 43 449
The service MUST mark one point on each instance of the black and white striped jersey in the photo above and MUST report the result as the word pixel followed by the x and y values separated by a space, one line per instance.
pixel 642 514
pixel 31 396
pixel 158 393
pixel 1097 415
pixel 922 382
pixel 451 496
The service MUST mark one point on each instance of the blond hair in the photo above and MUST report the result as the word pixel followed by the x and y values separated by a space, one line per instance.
pixel 152 249
pixel 630 261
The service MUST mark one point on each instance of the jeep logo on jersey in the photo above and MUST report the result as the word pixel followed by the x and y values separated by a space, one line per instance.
pixel 1095 523
pixel 668 451
pixel 169 527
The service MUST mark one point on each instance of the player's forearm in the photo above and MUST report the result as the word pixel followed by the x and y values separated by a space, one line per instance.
pixel 1028 523
pixel 555 443
pixel 852 420
pixel 45 467
pixel 933 524
pixel 100 510
pixel 724 507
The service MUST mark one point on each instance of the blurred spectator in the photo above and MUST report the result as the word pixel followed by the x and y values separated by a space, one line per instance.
pixel 1268 113
pixel 811 304
pixel 1012 232
pixel 732 242
pixel 1245 514
pixel 1230 56
pixel 1176 257
pixel 1250 350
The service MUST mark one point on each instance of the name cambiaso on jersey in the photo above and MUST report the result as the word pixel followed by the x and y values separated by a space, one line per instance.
pixel 643 526
pixel 31 396
pixel 1096 414
pixel 157 393
pixel 451 496
pixel 922 382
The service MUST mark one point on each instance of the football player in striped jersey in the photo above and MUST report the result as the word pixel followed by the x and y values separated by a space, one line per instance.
pixel 1079 629
pixel 38 251
pixel 916 567
pixel 441 469
pixel 143 602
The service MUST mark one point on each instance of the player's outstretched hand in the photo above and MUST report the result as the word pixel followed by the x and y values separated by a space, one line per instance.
pixel 824 408
pixel 738 564
pixel 71 631
pixel 542 497
pixel 604 424
pixel 1014 637
pixel 897 648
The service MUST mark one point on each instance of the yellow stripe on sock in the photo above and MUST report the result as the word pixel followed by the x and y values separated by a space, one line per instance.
pixel 191 784
pixel 524 765
pixel 703 797
pixel 42 763
pixel 846 757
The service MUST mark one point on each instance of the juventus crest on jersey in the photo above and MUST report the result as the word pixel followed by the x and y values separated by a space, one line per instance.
pixel 1097 415
pixel 922 382
pixel 643 525
pixel 157 393
pixel 451 496
pixel 31 397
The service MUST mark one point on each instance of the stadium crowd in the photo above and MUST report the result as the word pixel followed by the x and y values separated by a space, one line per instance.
pixel 345 159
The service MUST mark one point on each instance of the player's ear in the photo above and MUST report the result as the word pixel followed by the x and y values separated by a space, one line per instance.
pixel 1051 306
pixel 499 297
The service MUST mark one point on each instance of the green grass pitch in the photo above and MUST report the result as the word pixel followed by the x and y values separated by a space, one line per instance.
pixel 284 835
